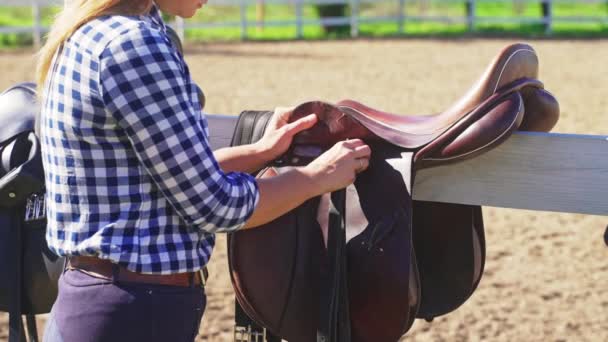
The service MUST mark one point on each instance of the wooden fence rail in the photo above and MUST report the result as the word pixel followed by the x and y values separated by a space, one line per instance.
pixel 534 171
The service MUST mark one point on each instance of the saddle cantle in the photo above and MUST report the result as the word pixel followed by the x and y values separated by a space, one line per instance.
pixel 389 259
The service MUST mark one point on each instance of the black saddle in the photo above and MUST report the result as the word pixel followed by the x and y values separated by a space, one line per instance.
pixel 28 269
pixel 388 259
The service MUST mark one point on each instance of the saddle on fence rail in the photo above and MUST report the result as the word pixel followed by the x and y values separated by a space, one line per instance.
pixel 388 259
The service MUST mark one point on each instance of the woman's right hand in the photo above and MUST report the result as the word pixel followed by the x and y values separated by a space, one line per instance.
pixel 337 167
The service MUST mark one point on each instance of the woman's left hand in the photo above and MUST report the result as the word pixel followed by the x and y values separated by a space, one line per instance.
pixel 279 132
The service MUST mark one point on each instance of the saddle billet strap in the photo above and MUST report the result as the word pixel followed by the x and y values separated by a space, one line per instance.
pixel 334 311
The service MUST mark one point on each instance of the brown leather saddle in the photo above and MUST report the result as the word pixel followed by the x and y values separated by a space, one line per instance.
pixel 362 263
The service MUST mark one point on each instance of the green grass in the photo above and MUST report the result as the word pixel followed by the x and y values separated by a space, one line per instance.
pixel 22 16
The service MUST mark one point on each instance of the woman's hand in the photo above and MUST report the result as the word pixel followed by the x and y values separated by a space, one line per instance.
pixel 275 142
pixel 337 167
pixel 279 132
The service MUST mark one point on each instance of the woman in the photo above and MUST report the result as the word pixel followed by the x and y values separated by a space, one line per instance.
pixel 135 194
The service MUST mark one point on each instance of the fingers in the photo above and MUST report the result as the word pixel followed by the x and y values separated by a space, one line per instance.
pixel 361 164
pixel 301 124
pixel 360 149
pixel 280 116
pixel 283 111
pixel 358 152
pixel 353 143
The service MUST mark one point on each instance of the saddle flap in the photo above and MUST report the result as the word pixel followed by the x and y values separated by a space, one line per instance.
pixel 383 283
pixel 449 241
pixel 485 128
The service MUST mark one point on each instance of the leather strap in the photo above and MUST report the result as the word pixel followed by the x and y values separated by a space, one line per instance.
pixel 16 332
pixel 334 311
pixel 102 268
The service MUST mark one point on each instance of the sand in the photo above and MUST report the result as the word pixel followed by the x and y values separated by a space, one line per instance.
pixel 546 273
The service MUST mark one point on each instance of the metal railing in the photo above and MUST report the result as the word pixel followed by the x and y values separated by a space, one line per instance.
pixel 399 15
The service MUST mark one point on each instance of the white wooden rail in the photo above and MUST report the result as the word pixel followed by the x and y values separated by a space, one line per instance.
pixel 355 19
pixel 534 171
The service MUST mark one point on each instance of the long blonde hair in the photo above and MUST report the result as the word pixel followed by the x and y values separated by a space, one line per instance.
pixel 75 14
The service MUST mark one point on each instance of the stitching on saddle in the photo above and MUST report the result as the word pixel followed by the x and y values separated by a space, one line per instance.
pixel 507 63
pixel 484 146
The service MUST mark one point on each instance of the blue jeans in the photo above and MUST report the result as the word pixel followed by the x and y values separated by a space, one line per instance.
pixel 93 309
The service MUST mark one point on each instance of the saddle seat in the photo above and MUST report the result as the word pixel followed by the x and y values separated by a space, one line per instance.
pixel 492 108
pixel 513 62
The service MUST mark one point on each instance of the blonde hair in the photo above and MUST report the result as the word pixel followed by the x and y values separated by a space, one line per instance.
pixel 75 14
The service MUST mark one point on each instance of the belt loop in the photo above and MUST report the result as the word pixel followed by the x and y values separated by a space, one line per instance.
pixel 203 273
pixel 115 273
pixel 191 279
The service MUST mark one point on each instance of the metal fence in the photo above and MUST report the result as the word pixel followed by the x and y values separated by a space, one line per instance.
pixel 398 16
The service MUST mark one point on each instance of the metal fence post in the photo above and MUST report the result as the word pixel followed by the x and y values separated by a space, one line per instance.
pixel 244 19
pixel 547 7
pixel 260 15
pixel 37 32
pixel 401 15
pixel 299 17
pixel 354 18
pixel 180 28
pixel 470 11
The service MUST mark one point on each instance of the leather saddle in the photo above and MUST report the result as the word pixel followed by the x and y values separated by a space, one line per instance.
pixel 362 263
pixel 28 269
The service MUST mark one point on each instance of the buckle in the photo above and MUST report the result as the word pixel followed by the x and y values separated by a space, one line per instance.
pixel 246 334
pixel 35 208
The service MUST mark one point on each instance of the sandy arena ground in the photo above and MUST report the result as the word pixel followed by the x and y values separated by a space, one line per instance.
pixel 546 273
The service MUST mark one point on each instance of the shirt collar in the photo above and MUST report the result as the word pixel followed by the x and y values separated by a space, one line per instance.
pixel 155 17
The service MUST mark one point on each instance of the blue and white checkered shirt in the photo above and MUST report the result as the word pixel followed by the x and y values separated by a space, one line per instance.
pixel 130 175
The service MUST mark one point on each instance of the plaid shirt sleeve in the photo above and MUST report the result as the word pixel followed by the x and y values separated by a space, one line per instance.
pixel 143 83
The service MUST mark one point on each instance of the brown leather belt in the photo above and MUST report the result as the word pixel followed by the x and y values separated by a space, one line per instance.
pixel 101 268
